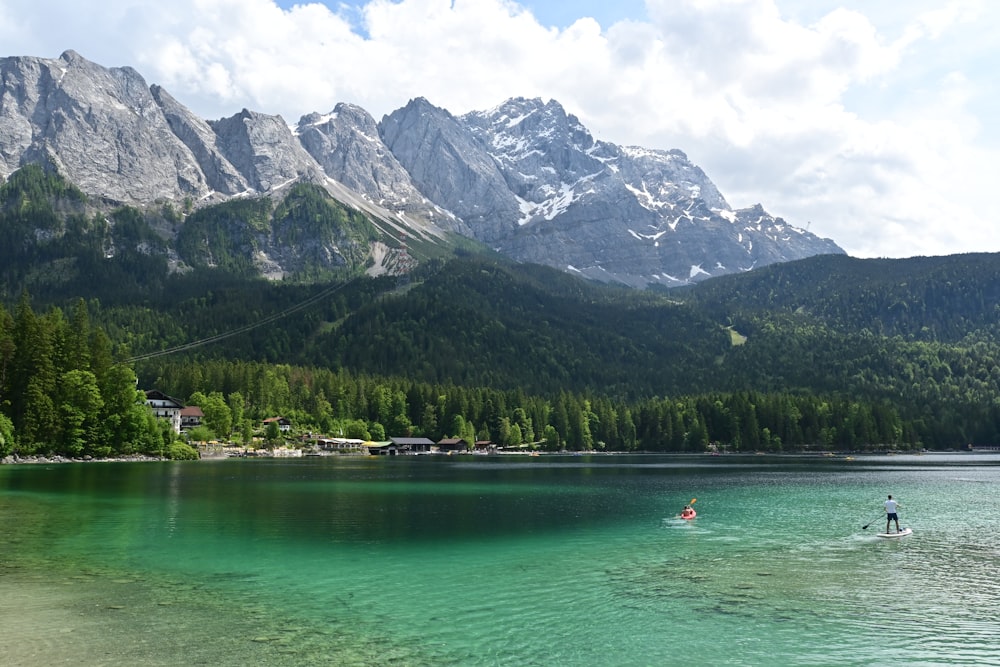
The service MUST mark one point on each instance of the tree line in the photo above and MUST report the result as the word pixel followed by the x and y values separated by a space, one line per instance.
pixel 337 402
pixel 61 391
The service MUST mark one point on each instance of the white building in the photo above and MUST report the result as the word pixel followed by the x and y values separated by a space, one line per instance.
pixel 165 407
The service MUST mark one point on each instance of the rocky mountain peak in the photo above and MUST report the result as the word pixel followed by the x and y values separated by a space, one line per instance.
pixel 533 119
pixel 347 145
pixel 263 148
pixel 221 176
pixel 526 177
pixel 452 168
pixel 540 149
pixel 101 128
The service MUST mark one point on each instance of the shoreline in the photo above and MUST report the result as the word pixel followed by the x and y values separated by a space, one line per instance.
pixel 37 459
pixel 13 459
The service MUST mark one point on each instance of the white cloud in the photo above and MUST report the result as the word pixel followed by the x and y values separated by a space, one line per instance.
pixel 867 122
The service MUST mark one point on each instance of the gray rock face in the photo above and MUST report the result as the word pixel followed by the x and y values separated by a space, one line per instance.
pixel 451 168
pixel 540 150
pixel 526 178
pixel 346 144
pixel 628 215
pixel 112 135
pixel 100 128
pixel 264 150
pixel 220 175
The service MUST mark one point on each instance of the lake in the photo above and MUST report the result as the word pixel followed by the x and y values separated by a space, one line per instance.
pixel 576 560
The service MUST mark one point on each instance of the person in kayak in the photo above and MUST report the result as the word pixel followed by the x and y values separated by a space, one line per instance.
pixel 687 512
pixel 890 513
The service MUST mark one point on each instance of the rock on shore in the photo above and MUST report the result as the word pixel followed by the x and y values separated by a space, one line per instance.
pixel 15 459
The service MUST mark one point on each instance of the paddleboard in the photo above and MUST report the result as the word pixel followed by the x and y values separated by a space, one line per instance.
pixel 902 533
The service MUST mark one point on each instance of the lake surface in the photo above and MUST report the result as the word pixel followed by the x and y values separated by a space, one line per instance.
pixel 501 561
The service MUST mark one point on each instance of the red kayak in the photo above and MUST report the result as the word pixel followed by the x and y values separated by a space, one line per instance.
pixel 688 513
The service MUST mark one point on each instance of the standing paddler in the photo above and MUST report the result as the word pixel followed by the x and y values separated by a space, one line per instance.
pixel 890 513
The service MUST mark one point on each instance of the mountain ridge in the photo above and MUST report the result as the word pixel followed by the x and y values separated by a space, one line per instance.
pixel 525 178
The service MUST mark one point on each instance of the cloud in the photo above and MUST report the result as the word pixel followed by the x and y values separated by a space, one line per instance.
pixel 860 123
pixel 775 124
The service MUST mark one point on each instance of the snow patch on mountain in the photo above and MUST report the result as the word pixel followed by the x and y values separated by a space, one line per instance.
pixel 696 271
pixel 548 209
pixel 647 237
pixel 647 200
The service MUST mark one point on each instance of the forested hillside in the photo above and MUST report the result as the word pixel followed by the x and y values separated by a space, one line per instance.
pixel 500 327
pixel 922 334
pixel 58 244
pixel 946 299
pixel 829 352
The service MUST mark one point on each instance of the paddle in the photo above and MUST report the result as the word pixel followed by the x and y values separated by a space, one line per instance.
pixel 865 527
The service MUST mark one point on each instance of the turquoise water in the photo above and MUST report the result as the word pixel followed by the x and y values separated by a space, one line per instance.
pixel 501 561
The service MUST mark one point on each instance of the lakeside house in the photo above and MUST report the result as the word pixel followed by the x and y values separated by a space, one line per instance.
pixel 413 445
pixel 191 417
pixel 449 445
pixel 408 445
pixel 400 445
pixel 284 424
pixel 165 407
pixel 326 444
pixel 383 448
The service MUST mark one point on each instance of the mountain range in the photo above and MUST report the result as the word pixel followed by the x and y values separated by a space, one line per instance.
pixel 525 179
pixel 176 234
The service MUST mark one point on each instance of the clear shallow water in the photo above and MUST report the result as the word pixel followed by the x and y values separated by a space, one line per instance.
pixel 541 561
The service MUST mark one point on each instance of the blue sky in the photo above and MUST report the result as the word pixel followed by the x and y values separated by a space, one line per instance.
pixel 554 13
pixel 871 123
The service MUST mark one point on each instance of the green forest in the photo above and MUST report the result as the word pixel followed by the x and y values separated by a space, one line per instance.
pixel 827 353
pixel 61 391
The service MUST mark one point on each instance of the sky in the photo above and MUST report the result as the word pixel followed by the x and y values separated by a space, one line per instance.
pixel 869 123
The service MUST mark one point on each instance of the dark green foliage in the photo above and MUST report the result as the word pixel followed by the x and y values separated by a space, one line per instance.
pixel 326 237
pixel 58 245
pixel 41 219
pixel 6 435
pixel 922 298
pixel 922 334
pixel 210 305
pixel 308 214
pixel 59 392
pixel 504 325
pixel 32 194
pixel 225 236
pixel 838 352
pixel 360 406
pixel 592 356
pixel 181 451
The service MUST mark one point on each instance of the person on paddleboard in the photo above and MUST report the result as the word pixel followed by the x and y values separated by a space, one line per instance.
pixel 890 513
